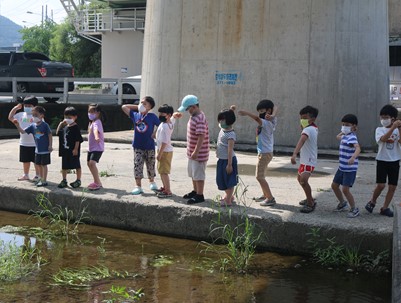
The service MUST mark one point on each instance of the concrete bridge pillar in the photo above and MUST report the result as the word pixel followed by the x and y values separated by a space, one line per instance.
pixel 331 54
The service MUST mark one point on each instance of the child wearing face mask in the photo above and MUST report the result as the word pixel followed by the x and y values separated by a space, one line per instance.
pixel 307 147
pixel 70 140
pixel 226 169
pixel 145 125
pixel 27 142
pixel 388 159
pixel 43 142
pixel 95 142
pixel 348 165
pixel 267 121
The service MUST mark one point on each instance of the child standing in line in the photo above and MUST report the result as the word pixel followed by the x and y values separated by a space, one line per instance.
pixel 26 142
pixel 143 143
pixel 227 168
pixel 96 143
pixel 267 121
pixel 164 148
pixel 388 158
pixel 70 140
pixel 197 147
pixel 43 140
pixel 348 165
pixel 307 147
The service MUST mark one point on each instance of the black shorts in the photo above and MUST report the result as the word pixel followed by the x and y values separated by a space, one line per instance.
pixel 94 156
pixel 26 154
pixel 42 159
pixel 70 162
pixel 386 169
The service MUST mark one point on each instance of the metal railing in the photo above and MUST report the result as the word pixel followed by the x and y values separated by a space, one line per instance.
pixel 65 95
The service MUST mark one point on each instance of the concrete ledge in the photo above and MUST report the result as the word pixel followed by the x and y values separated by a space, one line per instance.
pixel 396 289
pixel 288 235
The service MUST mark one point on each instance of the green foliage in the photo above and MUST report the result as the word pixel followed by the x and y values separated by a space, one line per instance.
pixel 161 260
pixel 60 222
pixel 328 252
pixel 80 277
pixel 37 38
pixel 122 294
pixel 17 262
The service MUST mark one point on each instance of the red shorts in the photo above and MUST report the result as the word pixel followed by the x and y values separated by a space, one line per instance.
pixel 305 169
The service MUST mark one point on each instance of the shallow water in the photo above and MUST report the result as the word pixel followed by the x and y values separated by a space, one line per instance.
pixel 187 279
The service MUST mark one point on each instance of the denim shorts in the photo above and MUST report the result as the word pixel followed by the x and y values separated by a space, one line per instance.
pixel 345 178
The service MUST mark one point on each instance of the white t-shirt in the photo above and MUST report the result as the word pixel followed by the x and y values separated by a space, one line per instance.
pixel 264 136
pixel 391 150
pixel 308 152
pixel 163 135
pixel 24 121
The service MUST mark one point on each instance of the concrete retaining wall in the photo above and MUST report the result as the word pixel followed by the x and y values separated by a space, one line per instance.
pixel 396 295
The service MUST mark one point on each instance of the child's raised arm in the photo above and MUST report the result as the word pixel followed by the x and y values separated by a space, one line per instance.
pixel 252 116
pixel 60 125
pixel 126 108
pixel 22 131
pixel 13 111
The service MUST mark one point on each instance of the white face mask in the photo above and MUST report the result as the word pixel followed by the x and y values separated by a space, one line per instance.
pixel 36 119
pixel 346 129
pixel 69 121
pixel 141 108
pixel 385 122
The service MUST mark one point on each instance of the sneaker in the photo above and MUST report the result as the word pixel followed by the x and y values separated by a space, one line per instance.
pixel 304 202
pixel 196 199
pixel 268 202
pixel 63 184
pixel 190 195
pixel 35 179
pixel 76 183
pixel 354 212
pixel 23 178
pixel 341 206
pixel 369 206
pixel 41 183
pixel 94 186
pixel 386 212
pixel 164 194
pixel 308 209
pixel 259 199
pixel 153 186
pixel 137 191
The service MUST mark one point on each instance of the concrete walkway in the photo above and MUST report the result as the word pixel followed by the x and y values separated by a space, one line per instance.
pixel 285 227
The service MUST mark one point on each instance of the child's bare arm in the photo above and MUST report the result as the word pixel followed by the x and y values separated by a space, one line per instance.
pixel 50 141
pixel 340 135
pixel 60 126
pixel 160 151
pixel 177 115
pixel 76 148
pixel 387 135
pixel 18 127
pixel 229 168
pixel 126 108
pixel 355 154
pixel 298 148
pixel 13 111
pixel 251 115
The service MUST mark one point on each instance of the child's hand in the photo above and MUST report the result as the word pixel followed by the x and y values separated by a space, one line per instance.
pixel 177 115
pixel 194 155
pixel 397 123
pixel 159 157
pixel 15 122
pixel 50 148
pixel 293 160
pixel 63 122
pixel 269 117
pixel 229 169
pixel 18 106
pixel 241 113
pixel 351 161
pixel 75 152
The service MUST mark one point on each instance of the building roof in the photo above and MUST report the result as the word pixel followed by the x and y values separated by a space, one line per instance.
pixel 125 3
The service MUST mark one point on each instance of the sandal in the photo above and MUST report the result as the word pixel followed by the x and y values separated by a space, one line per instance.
pixel 94 186
pixel 75 184
pixel 306 209
pixel 23 178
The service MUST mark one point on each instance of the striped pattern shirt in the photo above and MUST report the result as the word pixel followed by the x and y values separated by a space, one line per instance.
pixel 347 149
pixel 222 143
pixel 197 125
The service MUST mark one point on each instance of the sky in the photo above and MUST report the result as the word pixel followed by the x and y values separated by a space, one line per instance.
pixel 17 11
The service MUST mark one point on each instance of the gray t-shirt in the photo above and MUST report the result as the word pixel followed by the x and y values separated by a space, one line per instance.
pixel 264 136
pixel 222 143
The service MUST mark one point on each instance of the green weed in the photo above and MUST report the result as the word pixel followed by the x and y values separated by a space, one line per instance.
pixel 122 294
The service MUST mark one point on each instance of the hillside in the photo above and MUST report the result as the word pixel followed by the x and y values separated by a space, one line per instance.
pixel 9 32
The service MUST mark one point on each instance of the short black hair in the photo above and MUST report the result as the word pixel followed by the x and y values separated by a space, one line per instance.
pixel 389 110
pixel 310 110
pixel 350 118
pixel 31 100
pixel 166 109
pixel 265 104
pixel 70 111
pixel 150 100
pixel 39 109
pixel 228 115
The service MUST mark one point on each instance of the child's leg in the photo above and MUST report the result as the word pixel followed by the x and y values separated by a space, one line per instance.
pixel 79 173
pixel 389 195
pixel 139 159
pixel 64 174
pixel 229 195
pixel 265 188
pixel 44 173
pixel 349 196
pixel 95 173
pixel 199 185
pixel 37 170
pixel 303 181
pixel 150 160
pixel 336 189
pixel 166 182
pixel 376 193
pixel 26 166
pixel 261 167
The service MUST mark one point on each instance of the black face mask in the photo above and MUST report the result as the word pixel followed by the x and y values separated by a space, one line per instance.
pixel 262 116
pixel 162 118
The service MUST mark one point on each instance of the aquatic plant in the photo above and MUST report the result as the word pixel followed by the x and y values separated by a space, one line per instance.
pixel 161 260
pixel 59 221
pixel 122 294
pixel 80 277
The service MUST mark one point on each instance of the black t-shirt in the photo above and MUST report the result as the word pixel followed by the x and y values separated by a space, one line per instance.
pixel 67 138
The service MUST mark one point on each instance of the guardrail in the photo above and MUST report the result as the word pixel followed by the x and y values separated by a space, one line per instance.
pixel 65 94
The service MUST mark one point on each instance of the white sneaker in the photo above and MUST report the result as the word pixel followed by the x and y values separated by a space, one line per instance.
pixel 153 186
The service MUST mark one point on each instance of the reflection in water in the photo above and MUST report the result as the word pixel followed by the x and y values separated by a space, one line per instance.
pixel 189 278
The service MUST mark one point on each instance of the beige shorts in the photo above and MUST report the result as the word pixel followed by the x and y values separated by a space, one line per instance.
pixel 196 170
pixel 263 162
pixel 164 165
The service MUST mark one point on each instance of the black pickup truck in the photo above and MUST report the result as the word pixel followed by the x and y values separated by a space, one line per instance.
pixel 32 64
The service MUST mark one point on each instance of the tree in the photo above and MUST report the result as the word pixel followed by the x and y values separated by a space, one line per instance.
pixel 37 38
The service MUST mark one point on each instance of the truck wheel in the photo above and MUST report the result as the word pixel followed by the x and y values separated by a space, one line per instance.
pixel 51 100
pixel 129 90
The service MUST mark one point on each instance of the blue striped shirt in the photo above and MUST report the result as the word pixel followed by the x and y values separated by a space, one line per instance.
pixel 347 149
